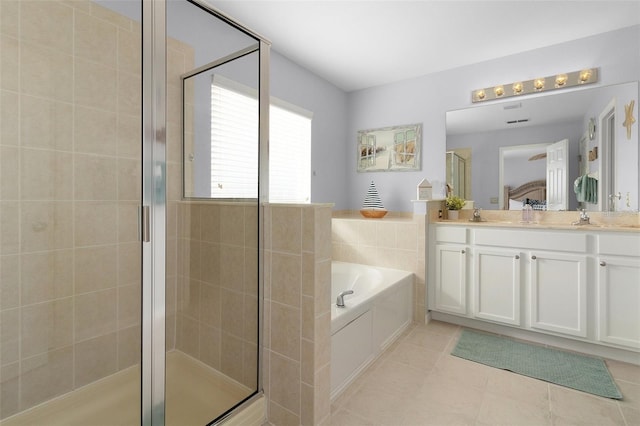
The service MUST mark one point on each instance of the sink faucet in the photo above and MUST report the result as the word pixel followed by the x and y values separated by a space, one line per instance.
pixel 476 215
pixel 584 218
pixel 340 298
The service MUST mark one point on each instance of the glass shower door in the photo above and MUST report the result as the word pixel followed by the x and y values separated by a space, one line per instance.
pixel 213 148
pixel 70 186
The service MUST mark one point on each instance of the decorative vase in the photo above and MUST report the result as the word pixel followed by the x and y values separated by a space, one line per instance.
pixel 453 214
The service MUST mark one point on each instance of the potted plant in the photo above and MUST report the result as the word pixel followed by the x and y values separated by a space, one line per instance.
pixel 454 204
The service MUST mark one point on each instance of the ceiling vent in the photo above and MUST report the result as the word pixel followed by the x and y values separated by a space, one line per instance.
pixel 513 106
pixel 522 120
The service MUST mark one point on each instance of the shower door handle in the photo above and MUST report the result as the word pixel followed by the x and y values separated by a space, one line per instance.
pixel 143 224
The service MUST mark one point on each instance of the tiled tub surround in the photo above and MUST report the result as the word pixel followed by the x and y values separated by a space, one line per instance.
pixel 69 189
pixel 396 241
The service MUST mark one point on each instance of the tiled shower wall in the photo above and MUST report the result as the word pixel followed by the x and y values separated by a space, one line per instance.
pixel 393 242
pixel 217 299
pixel 217 287
pixel 70 186
pixel 180 59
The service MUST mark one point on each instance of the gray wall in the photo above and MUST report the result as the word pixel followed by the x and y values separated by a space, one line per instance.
pixel 426 99
pixel 329 161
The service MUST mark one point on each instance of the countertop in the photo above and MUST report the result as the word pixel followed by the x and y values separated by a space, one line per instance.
pixel 625 227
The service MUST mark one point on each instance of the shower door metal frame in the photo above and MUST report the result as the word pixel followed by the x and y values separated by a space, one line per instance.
pixel 154 186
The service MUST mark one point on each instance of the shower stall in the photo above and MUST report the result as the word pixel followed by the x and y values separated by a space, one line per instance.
pixel 126 295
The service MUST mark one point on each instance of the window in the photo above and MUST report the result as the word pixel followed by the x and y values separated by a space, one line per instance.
pixel 234 157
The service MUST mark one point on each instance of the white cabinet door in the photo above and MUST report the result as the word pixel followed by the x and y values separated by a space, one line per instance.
pixel 451 281
pixel 559 293
pixel 497 284
pixel 619 301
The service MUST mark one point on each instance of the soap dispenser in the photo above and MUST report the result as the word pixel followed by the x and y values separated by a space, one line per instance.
pixel 527 213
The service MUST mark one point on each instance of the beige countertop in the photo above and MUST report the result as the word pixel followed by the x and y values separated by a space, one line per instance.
pixel 543 225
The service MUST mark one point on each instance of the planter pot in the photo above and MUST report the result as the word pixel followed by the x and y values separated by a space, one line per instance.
pixel 453 214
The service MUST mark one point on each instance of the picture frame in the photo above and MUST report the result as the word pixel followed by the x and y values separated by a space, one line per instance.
pixel 394 148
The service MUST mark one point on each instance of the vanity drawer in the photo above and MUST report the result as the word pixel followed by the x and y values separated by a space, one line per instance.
pixel 532 240
pixel 451 234
pixel 616 243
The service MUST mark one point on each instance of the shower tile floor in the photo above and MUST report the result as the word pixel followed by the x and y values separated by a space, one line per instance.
pixel 196 394
pixel 417 382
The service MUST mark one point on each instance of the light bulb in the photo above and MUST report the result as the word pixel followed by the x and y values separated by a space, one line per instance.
pixel 517 88
pixel 585 75
pixel 561 80
pixel 538 84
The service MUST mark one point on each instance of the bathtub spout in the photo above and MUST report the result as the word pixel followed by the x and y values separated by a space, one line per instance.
pixel 340 299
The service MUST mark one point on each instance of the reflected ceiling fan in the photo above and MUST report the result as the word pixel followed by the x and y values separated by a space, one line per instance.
pixel 538 156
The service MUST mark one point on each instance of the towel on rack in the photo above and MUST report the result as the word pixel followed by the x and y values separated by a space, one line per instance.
pixel 586 189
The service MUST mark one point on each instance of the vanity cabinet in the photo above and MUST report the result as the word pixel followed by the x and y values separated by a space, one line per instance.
pixel 618 290
pixel 451 270
pixel 554 290
pixel 558 299
pixel 496 285
pixel 580 284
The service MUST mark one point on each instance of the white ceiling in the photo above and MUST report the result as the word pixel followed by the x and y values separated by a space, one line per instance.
pixel 360 43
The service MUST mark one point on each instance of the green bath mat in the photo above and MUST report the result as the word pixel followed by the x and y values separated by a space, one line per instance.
pixel 562 368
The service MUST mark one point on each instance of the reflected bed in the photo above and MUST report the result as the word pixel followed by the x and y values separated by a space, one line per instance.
pixel 535 190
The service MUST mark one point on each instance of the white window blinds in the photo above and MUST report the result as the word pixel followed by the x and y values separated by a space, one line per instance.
pixel 234 135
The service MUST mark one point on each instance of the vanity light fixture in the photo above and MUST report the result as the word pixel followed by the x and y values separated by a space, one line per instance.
pixel 537 85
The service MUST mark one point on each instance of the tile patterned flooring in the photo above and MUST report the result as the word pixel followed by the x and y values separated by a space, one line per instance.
pixel 417 382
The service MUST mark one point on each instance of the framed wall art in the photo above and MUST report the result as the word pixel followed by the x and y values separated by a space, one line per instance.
pixel 395 148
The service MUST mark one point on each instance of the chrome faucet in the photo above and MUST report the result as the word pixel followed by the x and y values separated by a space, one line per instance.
pixel 476 216
pixel 584 218
pixel 340 298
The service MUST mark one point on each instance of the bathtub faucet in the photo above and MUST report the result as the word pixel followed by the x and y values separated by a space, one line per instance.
pixel 340 299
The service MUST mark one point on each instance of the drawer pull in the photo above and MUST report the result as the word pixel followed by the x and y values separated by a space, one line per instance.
pixel 603 263
pixel 462 251
pixel 517 256
pixel 534 257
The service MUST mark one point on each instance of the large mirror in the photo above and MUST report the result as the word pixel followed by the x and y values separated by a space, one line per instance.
pixel 560 151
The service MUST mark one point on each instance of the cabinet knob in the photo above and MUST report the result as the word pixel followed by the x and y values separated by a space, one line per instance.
pixel 462 251
pixel 517 256
pixel 603 263
pixel 533 257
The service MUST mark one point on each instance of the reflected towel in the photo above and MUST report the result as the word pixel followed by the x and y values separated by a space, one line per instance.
pixel 586 189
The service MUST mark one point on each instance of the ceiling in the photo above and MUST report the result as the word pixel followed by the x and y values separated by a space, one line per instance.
pixel 360 44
